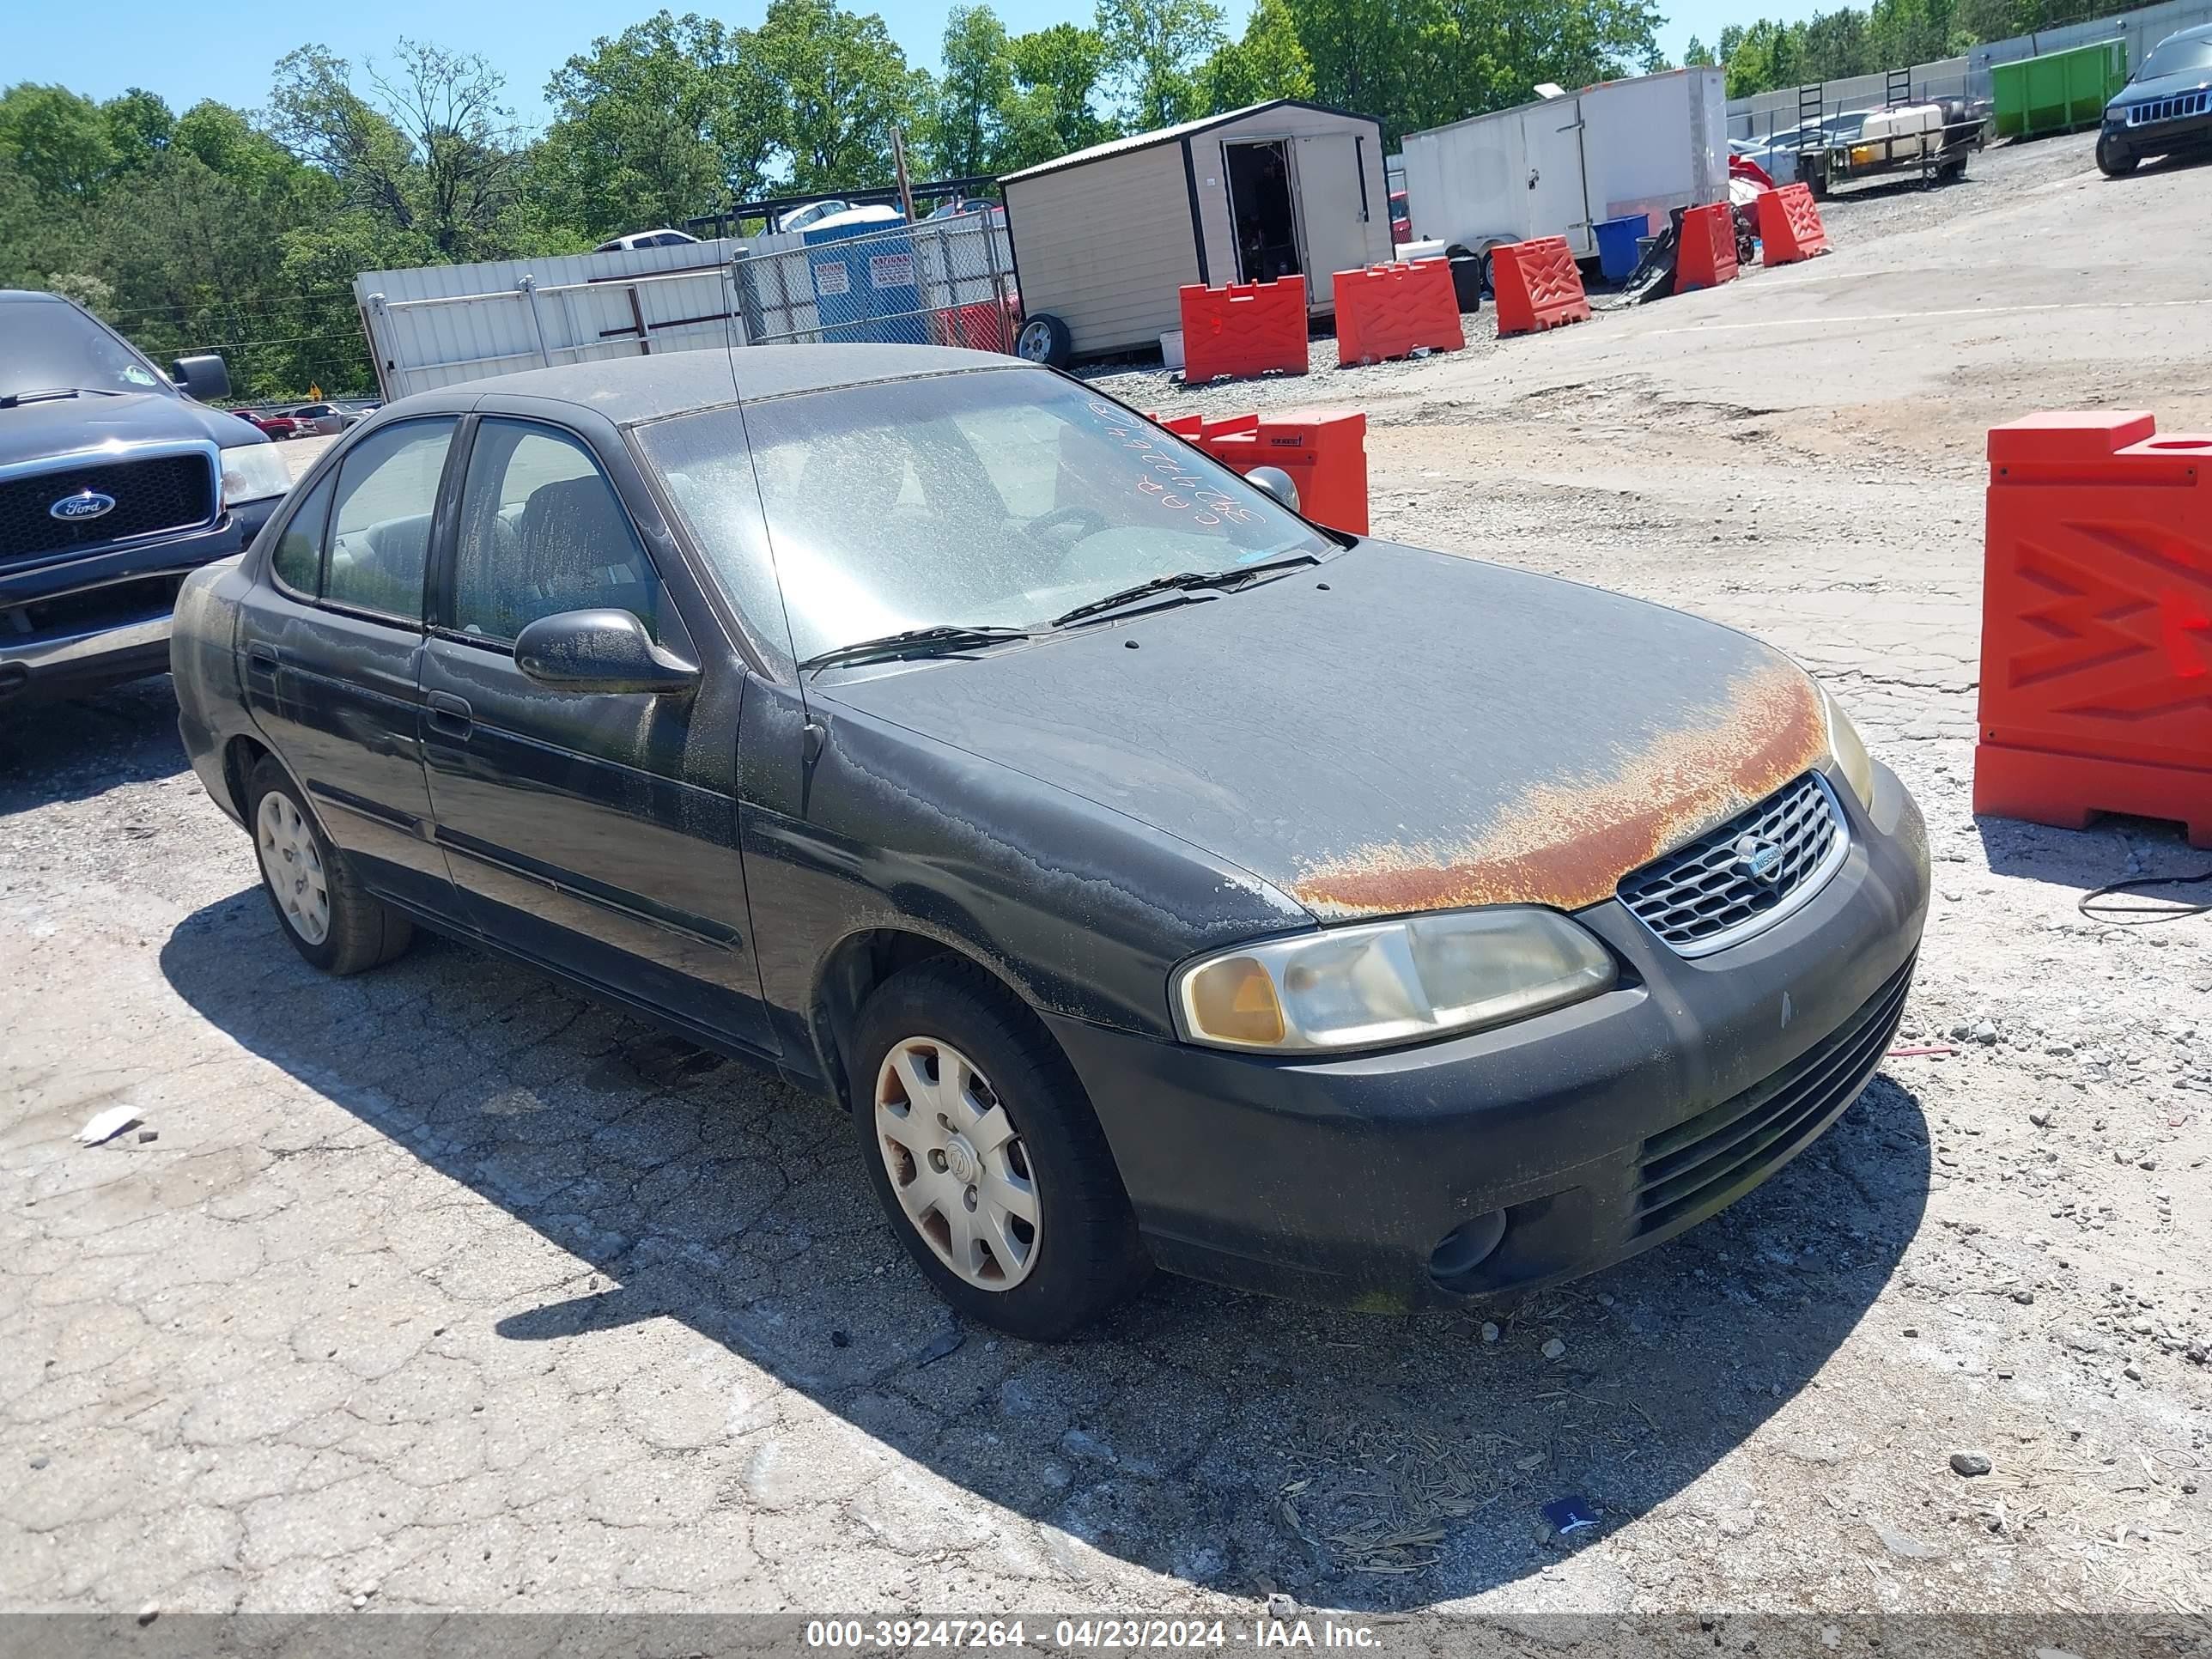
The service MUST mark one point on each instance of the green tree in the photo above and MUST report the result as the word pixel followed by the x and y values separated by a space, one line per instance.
pixel 1050 112
pixel 1696 54
pixel 841 84
pixel 1155 50
pixel 668 119
pixel 1268 61
pixel 967 120
pixel 59 142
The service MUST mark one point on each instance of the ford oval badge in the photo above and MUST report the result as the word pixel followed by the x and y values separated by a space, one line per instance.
pixel 85 504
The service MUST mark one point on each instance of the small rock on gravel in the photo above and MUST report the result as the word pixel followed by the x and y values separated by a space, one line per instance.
pixel 1489 1331
pixel 1970 1462
pixel 1554 1349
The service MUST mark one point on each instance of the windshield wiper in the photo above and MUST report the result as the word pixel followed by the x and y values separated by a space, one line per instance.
pixel 45 393
pixel 1182 581
pixel 940 640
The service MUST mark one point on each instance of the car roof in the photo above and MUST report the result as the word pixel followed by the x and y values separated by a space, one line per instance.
pixel 626 389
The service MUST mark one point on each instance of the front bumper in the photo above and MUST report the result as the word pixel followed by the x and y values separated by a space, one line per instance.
pixel 2160 137
pixel 93 621
pixel 1595 1131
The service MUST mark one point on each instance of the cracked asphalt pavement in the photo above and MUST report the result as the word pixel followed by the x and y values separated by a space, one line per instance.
pixel 443 1288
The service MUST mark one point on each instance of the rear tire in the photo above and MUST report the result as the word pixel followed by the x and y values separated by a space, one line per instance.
pixel 985 1155
pixel 1045 339
pixel 319 905
pixel 2114 161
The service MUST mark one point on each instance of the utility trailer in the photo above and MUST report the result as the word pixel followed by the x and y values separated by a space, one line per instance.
pixel 1930 139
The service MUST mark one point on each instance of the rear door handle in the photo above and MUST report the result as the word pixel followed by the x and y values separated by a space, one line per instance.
pixel 260 659
pixel 450 714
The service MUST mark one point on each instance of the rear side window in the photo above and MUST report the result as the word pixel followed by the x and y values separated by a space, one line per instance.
pixel 298 561
pixel 542 531
pixel 380 542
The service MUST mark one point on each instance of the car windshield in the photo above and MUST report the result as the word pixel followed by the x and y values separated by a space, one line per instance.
pixel 46 346
pixel 2176 57
pixel 1004 497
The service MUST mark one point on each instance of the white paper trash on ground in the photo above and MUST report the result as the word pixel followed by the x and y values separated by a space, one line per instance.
pixel 108 1125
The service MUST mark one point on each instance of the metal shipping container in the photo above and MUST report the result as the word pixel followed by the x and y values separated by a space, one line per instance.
pixel 1104 239
pixel 1559 167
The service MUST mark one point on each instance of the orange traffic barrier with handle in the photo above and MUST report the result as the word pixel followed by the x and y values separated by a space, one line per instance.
pixel 1538 286
pixel 1243 329
pixel 2096 690
pixel 1391 310
pixel 1706 255
pixel 1789 226
pixel 1324 451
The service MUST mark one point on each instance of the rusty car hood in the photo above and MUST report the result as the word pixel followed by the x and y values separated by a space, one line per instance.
pixel 1392 731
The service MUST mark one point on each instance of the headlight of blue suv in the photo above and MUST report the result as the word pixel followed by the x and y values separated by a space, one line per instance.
pixel 1851 757
pixel 1388 982
pixel 253 473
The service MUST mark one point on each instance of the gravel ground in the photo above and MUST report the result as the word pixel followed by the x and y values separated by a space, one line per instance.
pixel 442 1288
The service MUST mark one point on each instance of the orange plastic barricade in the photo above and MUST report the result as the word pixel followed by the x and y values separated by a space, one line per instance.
pixel 1323 450
pixel 1388 310
pixel 983 325
pixel 1789 226
pixel 1537 285
pixel 1243 330
pixel 1706 258
pixel 2097 624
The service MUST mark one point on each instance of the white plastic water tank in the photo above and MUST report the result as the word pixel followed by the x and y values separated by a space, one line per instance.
pixel 1914 131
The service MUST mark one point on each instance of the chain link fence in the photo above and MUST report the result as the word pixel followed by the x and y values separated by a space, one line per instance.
pixel 948 282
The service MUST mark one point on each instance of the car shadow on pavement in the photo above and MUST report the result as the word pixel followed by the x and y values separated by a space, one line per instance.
pixel 1232 1441
pixel 72 748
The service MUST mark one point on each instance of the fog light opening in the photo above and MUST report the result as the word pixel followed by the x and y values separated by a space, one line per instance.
pixel 1466 1247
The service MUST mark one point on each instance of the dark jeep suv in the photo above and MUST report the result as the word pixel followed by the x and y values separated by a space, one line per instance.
pixel 115 484
pixel 2165 109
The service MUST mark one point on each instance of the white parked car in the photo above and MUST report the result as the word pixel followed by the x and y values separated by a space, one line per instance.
pixel 812 213
pixel 662 238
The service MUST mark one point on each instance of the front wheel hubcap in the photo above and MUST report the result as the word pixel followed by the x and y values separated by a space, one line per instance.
pixel 292 865
pixel 958 1165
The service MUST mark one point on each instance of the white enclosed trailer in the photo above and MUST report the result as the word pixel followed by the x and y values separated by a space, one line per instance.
pixel 1106 238
pixel 1559 166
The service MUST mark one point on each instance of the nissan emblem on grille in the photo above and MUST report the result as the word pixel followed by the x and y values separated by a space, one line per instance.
pixel 1745 875
pixel 1761 859
pixel 85 504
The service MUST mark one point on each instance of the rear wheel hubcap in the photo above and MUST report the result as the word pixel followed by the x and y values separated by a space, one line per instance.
pixel 292 865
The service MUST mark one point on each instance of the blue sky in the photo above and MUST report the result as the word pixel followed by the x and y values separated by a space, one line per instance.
pixel 188 52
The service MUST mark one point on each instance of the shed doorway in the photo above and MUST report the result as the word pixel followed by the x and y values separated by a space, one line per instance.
pixel 1261 213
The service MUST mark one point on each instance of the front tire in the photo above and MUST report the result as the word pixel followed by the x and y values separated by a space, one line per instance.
pixel 319 905
pixel 2114 161
pixel 986 1157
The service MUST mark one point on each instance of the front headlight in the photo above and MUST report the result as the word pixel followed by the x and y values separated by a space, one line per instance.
pixel 252 472
pixel 1852 756
pixel 1390 982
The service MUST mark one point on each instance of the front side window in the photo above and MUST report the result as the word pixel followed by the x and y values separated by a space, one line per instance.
pixel 542 531
pixel 1004 497
pixel 380 527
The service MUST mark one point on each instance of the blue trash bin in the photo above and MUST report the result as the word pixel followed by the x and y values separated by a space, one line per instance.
pixel 1616 243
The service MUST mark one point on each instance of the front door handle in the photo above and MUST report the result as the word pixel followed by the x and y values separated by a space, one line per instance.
pixel 450 714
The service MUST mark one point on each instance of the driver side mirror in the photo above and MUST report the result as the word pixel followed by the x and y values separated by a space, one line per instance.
pixel 1273 481
pixel 205 377
pixel 599 651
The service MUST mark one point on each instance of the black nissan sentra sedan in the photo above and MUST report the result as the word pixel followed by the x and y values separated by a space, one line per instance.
pixel 1158 878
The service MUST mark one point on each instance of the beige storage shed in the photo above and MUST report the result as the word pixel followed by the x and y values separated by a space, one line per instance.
pixel 1103 239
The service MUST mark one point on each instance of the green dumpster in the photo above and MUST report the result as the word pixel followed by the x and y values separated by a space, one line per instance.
pixel 2058 92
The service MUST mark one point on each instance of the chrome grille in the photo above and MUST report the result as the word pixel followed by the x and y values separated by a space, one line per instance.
pixel 1732 882
pixel 2169 109
pixel 151 493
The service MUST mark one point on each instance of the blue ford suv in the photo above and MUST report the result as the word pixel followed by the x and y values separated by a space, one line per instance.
pixel 115 482
pixel 2166 107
